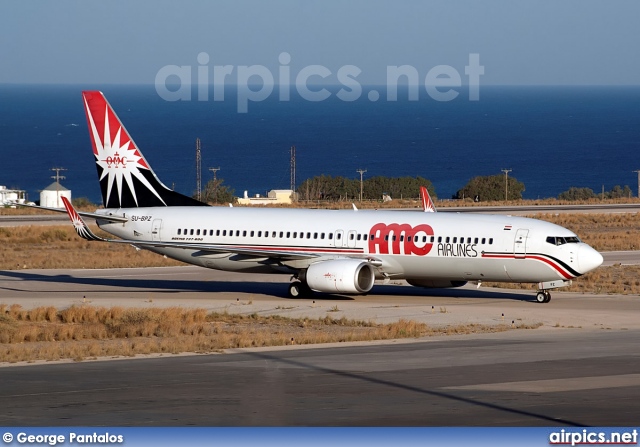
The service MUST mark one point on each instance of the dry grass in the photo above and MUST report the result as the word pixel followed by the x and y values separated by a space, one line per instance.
pixel 47 247
pixel 604 232
pixel 81 332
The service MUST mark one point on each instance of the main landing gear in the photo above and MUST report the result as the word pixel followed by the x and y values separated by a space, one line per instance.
pixel 543 296
pixel 299 289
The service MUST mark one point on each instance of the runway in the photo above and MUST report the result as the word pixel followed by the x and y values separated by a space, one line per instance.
pixel 520 378
pixel 580 368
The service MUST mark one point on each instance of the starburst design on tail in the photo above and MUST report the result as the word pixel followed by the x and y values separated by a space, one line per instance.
pixel 117 155
pixel 78 224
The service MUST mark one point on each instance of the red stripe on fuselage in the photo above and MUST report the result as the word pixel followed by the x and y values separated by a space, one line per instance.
pixel 553 264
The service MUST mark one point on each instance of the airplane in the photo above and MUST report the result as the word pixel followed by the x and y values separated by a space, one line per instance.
pixel 327 251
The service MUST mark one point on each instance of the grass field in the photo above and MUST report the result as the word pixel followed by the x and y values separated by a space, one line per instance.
pixel 82 332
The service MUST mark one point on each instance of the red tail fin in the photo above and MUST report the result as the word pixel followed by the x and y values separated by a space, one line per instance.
pixel 126 179
pixel 427 203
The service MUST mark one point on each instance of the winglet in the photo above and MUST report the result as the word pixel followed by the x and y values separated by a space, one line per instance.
pixel 427 203
pixel 81 228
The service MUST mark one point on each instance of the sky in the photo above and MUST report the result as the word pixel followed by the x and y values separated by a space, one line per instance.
pixel 529 42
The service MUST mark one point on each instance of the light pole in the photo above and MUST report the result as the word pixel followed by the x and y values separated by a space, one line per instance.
pixel 215 186
pixel 506 180
pixel 361 171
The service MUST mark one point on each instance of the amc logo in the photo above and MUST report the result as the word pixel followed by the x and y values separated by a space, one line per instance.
pixel 402 238
pixel 116 160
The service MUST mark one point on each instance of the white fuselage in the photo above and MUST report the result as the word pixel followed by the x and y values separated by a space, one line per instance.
pixel 420 247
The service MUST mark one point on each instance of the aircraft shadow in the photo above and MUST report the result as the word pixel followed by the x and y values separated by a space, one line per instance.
pixel 277 289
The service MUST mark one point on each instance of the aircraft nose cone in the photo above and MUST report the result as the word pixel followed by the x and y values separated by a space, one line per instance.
pixel 588 258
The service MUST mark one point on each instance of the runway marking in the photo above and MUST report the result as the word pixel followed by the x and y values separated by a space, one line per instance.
pixel 557 385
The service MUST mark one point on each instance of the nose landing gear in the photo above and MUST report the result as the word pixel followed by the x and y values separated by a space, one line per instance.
pixel 543 296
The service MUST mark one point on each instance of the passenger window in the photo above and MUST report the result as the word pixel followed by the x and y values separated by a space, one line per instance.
pixel 433 239
pixel 455 239
pixel 224 232
pixel 315 235
pixel 329 236
pixel 401 237
pixel 273 235
pixel 339 236
pixel 191 232
pixel 288 234
pixel 179 231
pixel 447 240
pixel 309 235
pixel 217 232
pixel 251 234
pixel 490 241
pixel 364 237
pixel 244 233
pixel 295 234
pixel 282 234
pixel 386 237
pixel 475 241
pixel 484 240
pixel 259 233
pixel 439 239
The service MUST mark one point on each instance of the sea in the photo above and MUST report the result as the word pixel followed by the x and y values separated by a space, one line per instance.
pixel 551 138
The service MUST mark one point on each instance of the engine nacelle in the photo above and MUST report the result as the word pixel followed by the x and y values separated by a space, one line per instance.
pixel 435 284
pixel 340 275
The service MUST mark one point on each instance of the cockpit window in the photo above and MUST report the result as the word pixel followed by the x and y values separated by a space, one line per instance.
pixel 559 240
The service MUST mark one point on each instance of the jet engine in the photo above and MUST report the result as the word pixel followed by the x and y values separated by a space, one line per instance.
pixel 435 284
pixel 340 275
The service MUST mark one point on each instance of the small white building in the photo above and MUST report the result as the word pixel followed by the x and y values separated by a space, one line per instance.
pixel 10 196
pixel 275 196
pixel 50 196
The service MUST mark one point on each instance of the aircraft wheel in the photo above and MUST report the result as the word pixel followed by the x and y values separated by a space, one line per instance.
pixel 541 297
pixel 548 296
pixel 298 289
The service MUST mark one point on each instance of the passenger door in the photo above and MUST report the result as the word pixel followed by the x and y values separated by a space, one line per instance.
pixel 520 243
pixel 156 226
